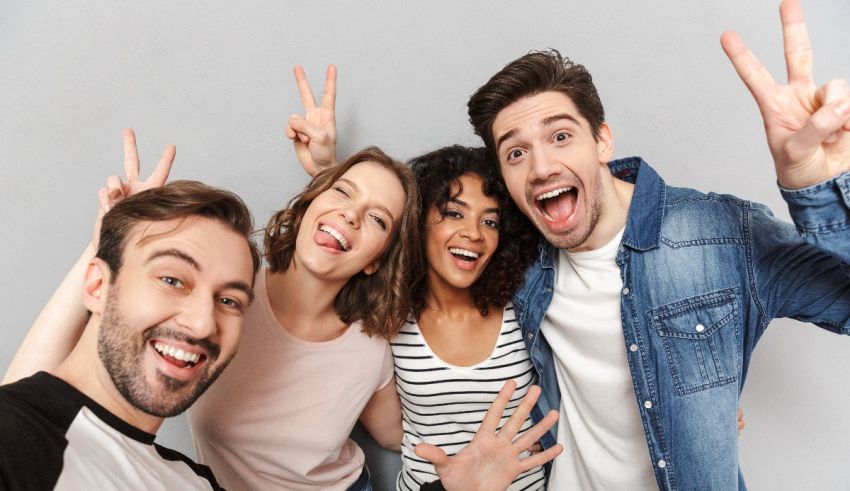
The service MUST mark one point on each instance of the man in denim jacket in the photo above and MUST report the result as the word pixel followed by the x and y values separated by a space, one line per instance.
pixel 646 301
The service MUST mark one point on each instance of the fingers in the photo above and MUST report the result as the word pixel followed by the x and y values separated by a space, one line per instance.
pixel 131 155
pixel 798 48
pixel 754 75
pixel 305 130
pixel 535 432
pixel 304 88
pixel 431 453
pixel 541 458
pixel 114 192
pixel 495 411
pixel 329 95
pixel 829 93
pixel 163 168
pixel 521 413
pixel 741 422
pixel 824 125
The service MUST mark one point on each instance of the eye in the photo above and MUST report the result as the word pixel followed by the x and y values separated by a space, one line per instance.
pixel 172 281
pixel 491 222
pixel 380 221
pixel 514 155
pixel 451 213
pixel 231 303
pixel 341 190
pixel 562 136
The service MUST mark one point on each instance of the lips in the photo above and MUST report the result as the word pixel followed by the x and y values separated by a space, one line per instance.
pixel 464 254
pixel 558 206
pixel 329 236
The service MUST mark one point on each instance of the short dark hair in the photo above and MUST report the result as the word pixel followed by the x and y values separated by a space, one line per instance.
pixel 175 200
pixel 529 75
pixel 379 300
pixel 436 173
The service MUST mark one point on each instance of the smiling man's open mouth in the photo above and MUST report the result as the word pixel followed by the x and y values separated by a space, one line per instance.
pixel 558 205
pixel 176 356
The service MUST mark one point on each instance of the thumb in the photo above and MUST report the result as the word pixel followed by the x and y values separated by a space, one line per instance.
pixel 431 453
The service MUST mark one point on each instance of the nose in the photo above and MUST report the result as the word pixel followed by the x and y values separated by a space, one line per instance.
pixel 543 165
pixel 198 315
pixel 471 230
pixel 351 215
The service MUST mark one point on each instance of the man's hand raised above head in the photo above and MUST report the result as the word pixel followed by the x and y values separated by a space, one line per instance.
pixel 808 127
pixel 492 459
pixel 313 135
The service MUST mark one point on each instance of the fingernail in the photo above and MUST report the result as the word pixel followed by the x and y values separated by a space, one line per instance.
pixel 843 107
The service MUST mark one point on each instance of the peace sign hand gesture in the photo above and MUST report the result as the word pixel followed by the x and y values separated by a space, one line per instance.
pixel 808 127
pixel 116 189
pixel 314 134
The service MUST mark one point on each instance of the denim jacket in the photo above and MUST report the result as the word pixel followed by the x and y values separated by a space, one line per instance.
pixel 703 275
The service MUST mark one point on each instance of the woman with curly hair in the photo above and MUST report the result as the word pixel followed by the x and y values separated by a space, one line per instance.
pixel 462 341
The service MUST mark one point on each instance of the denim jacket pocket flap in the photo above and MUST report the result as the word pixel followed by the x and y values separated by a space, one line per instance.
pixel 700 339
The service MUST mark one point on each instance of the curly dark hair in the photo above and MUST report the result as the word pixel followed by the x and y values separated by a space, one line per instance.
pixel 436 173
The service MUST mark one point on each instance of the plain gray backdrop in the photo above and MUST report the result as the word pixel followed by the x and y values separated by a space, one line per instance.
pixel 216 79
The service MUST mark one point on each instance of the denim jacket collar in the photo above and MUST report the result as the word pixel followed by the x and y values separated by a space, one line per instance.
pixel 646 211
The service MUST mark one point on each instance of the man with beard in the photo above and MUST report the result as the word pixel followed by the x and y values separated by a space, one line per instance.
pixel 166 290
pixel 646 301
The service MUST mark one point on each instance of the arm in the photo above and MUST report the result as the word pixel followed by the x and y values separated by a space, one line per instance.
pixel 492 459
pixel 314 134
pixel 60 324
pixel 382 417
pixel 808 132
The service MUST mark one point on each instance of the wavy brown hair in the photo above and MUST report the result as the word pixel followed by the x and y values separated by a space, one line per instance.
pixel 529 75
pixel 175 200
pixel 379 300
pixel 436 174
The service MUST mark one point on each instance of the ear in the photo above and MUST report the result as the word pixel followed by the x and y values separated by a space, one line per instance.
pixel 371 268
pixel 604 143
pixel 96 285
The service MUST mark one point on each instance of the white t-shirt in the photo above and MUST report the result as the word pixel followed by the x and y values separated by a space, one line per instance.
pixel 280 414
pixel 600 426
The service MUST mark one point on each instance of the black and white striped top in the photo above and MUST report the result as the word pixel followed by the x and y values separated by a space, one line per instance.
pixel 444 404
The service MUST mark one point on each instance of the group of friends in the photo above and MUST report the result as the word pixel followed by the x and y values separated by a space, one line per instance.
pixel 524 315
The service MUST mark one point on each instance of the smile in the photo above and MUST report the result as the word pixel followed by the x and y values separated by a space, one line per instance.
pixel 464 254
pixel 177 356
pixel 343 242
pixel 554 192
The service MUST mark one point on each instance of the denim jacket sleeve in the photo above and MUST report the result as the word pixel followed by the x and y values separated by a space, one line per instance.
pixel 804 274
pixel 822 214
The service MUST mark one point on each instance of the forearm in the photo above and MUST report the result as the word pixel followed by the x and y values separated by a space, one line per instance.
pixel 56 329
pixel 382 417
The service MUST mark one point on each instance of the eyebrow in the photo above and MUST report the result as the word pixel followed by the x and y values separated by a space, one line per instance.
pixel 545 122
pixel 376 205
pixel 466 205
pixel 176 253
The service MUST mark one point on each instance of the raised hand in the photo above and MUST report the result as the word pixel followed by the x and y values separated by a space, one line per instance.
pixel 492 460
pixel 314 134
pixel 808 127
pixel 117 189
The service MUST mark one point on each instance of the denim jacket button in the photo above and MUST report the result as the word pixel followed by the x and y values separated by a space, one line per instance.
pixel 530 336
pixel 647 404
pixel 662 464
pixel 633 348
pixel 626 291
pixel 700 328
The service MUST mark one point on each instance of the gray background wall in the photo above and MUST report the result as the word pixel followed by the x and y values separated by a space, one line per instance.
pixel 215 78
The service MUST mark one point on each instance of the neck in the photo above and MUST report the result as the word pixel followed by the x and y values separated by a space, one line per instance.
pixel 613 215
pixel 304 304
pixel 83 370
pixel 448 301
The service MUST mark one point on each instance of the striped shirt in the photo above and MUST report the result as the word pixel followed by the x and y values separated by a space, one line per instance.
pixel 444 404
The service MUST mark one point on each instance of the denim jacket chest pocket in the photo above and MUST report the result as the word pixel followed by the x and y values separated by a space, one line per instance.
pixel 700 337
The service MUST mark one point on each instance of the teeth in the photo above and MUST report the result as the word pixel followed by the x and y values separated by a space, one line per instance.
pixel 177 353
pixel 553 193
pixel 336 235
pixel 464 252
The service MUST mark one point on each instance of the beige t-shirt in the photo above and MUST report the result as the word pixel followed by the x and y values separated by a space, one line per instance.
pixel 280 414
